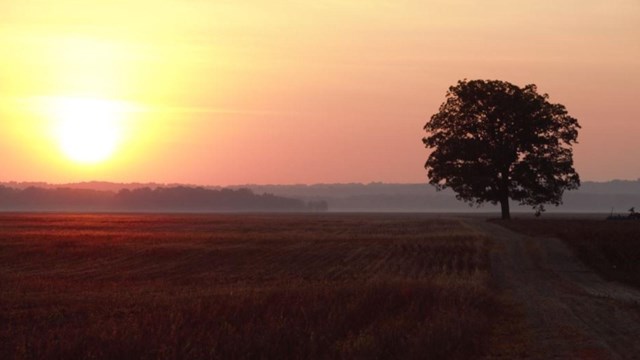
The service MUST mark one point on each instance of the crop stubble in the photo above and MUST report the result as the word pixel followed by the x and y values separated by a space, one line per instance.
pixel 243 286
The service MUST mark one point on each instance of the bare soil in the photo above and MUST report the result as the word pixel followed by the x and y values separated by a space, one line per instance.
pixel 570 312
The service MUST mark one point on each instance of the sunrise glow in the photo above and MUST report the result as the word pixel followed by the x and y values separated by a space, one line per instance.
pixel 88 130
pixel 348 85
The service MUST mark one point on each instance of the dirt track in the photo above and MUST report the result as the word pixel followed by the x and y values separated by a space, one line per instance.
pixel 571 313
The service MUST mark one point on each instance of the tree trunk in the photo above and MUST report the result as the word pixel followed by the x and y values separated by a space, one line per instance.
pixel 504 193
pixel 504 205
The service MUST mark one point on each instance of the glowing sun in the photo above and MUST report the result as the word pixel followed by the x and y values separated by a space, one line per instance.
pixel 88 130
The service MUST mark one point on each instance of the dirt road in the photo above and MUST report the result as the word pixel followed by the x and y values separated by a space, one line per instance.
pixel 571 313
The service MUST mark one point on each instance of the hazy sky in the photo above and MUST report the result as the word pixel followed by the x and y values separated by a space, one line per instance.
pixel 232 92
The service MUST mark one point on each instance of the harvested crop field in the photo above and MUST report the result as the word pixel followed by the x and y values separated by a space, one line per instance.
pixel 244 286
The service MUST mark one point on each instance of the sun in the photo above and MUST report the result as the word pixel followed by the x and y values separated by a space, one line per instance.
pixel 88 130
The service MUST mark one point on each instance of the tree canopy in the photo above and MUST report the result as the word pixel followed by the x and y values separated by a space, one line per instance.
pixel 492 141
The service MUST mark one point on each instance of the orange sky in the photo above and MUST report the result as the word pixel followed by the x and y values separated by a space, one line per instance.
pixel 299 92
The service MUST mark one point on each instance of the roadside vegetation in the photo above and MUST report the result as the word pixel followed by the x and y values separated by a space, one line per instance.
pixel 610 247
pixel 243 286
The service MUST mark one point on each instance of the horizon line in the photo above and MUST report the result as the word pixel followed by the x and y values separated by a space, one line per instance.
pixel 168 184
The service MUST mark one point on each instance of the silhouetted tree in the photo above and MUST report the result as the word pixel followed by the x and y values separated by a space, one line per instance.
pixel 493 141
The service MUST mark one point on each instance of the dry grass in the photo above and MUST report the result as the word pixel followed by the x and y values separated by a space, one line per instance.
pixel 242 286
pixel 610 247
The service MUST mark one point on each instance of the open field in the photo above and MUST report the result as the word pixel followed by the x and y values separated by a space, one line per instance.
pixel 610 247
pixel 244 286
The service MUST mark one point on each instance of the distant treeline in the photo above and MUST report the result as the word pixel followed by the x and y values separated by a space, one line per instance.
pixel 602 197
pixel 594 197
pixel 161 199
